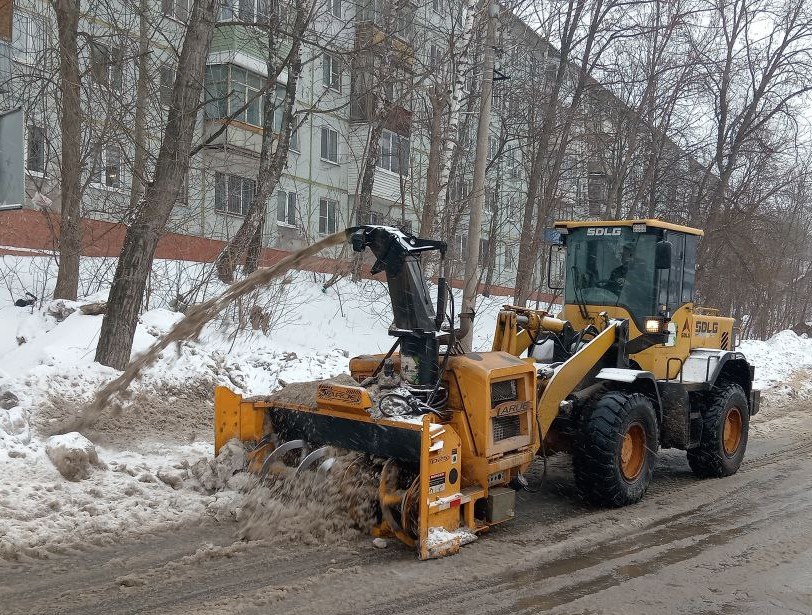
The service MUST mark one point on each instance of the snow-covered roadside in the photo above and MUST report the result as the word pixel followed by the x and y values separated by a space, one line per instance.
pixel 777 360
pixel 147 476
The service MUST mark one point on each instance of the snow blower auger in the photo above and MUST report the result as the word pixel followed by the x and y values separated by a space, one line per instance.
pixel 632 365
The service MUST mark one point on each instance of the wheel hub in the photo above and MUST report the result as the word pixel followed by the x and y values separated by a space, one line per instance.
pixel 732 431
pixel 633 452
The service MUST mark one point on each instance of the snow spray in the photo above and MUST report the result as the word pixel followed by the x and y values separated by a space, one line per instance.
pixel 112 395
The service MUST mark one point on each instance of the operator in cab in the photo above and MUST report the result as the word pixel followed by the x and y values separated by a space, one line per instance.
pixel 618 276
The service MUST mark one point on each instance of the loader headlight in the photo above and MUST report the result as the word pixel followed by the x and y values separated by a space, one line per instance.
pixel 655 325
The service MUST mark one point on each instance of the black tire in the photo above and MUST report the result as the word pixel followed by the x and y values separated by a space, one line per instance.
pixel 712 458
pixel 599 470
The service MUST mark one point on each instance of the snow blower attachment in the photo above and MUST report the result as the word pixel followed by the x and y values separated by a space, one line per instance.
pixel 451 433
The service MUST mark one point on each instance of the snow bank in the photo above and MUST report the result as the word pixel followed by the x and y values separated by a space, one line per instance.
pixel 73 455
pixel 153 448
pixel 778 359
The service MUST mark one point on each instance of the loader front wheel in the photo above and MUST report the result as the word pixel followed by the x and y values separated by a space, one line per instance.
pixel 725 425
pixel 615 457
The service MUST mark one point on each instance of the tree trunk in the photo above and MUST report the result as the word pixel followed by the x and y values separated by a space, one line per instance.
pixel 141 93
pixel 271 160
pixel 254 251
pixel 364 208
pixel 141 239
pixel 70 238
pixel 429 213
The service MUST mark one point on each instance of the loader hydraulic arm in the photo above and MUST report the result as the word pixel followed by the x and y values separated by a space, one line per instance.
pixel 518 328
pixel 567 376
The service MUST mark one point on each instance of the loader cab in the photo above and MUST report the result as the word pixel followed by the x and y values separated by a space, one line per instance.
pixel 645 267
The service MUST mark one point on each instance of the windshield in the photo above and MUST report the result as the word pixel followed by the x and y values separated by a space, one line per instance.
pixel 611 266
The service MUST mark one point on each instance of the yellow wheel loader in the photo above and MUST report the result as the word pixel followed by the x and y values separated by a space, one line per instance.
pixel 628 366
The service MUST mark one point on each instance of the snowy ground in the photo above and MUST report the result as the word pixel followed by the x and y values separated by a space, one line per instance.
pixel 147 477
pixel 47 374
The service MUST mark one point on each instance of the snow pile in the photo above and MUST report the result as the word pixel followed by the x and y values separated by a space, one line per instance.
pixel 778 359
pixel 73 455
pixel 154 446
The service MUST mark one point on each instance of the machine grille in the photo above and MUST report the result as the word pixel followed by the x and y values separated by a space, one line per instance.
pixel 505 390
pixel 505 427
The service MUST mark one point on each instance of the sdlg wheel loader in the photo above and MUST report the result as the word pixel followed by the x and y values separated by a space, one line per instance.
pixel 628 366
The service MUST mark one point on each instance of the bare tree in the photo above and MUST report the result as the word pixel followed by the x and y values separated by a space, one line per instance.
pixel 141 239
pixel 70 240
pixel 274 153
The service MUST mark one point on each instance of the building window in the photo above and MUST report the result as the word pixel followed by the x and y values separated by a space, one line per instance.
pixel 331 72
pixel 245 88
pixel 394 153
pixel 233 194
pixel 509 263
pixel 35 149
pixel 233 92
pixel 334 7
pixel 216 91
pixel 167 84
pixel 461 246
pixel 226 10
pixel 27 37
pixel 328 216
pixel 177 9
pixel 375 218
pixel 493 148
pixel 294 140
pixel 329 144
pixel 107 166
pixel 484 246
pixel 105 65
pixel 434 57
pixel 286 208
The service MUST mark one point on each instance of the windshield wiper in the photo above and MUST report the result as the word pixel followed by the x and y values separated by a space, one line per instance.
pixel 578 296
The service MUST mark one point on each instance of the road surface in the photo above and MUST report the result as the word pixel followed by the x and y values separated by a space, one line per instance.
pixel 736 545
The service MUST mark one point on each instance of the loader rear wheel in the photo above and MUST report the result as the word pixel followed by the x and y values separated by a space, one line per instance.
pixel 617 450
pixel 725 426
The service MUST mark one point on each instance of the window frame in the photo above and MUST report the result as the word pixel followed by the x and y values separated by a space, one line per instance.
pixel 32 34
pixel 174 9
pixel 291 206
pixel 227 181
pixel 331 76
pixel 165 91
pixel 389 142
pixel 43 146
pixel 100 167
pixel 107 71
pixel 325 204
pixel 327 130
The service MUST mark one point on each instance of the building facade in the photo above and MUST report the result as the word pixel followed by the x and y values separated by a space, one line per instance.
pixel 348 76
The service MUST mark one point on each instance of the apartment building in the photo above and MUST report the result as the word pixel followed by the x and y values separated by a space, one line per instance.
pixel 338 93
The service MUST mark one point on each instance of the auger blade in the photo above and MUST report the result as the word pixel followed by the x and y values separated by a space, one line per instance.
pixel 312 458
pixel 279 452
pixel 326 466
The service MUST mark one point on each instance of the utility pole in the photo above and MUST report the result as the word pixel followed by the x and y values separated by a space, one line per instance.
pixel 478 192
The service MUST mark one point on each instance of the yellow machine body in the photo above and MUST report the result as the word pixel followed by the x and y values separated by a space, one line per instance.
pixel 500 408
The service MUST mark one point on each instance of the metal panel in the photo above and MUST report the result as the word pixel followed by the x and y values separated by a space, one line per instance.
pixel 372 438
